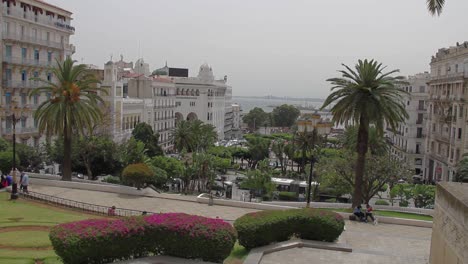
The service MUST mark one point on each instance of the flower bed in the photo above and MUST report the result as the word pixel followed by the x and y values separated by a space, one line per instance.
pixel 262 228
pixel 174 234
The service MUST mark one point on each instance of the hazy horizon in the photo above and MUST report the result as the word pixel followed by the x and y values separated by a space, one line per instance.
pixel 265 47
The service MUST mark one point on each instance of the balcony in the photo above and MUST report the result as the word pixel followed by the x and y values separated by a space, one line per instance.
pixel 29 62
pixel 21 84
pixel 19 13
pixel 439 137
pixel 36 41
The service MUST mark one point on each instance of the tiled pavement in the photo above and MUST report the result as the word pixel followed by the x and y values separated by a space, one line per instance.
pixel 151 204
pixel 381 244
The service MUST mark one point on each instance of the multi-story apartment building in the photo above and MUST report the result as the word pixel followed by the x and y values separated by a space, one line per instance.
pixel 228 115
pixel 408 142
pixel 236 121
pixel 447 138
pixel 34 35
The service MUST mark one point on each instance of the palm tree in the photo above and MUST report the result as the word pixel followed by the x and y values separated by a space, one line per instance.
pixel 305 142
pixel 366 96
pixel 73 106
pixel 278 147
pixel 183 138
pixel 435 6
pixel 378 145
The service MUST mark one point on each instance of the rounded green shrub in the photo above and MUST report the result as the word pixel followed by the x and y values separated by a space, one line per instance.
pixel 99 241
pixel 381 202
pixel 262 228
pixel 137 174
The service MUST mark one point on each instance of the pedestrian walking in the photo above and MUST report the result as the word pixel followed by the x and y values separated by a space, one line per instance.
pixel 25 182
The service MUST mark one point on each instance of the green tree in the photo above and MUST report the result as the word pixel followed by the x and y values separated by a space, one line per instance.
pixel 29 157
pixel 435 6
pixel 97 154
pixel 194 135
pixel 462 170
pixel 144 133
pixel 366 96
pixel 278 147
pixel 73 107
pixel 6 161
pixel 132 151
pixel 137 174
pixel 4 145
pixel 306 142
pixel 159 177
pixel 258 150
pixel 255 118
pixel 173 167
pixel 259 180
pixel 285 115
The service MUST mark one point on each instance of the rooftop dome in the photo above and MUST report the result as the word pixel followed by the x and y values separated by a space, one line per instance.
pixel 206 72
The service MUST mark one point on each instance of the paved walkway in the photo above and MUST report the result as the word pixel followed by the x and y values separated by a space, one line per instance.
pixel 152 204
pixel 381 244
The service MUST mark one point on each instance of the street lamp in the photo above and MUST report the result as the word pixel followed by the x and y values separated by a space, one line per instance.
pixel 14 114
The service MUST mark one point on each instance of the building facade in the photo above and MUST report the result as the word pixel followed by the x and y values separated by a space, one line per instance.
pixel 34 35
pixel 202 98
pixel 408 142
pixel 447 138
pixel 236 121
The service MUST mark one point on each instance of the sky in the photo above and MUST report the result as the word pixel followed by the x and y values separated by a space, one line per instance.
pixel 266 47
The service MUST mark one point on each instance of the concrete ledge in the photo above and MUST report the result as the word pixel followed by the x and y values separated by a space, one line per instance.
pixel 204 198
pixel 256 254
pixel 396 221
pixel 91 187
pixel 162 260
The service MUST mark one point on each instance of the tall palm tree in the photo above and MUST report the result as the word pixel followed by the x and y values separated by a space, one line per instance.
pixel 183 138
pixel 73 106
pixel 305 142
pixel 435 6
pixel 366 96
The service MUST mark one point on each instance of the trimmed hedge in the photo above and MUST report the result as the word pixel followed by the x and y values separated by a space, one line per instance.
pixel 288 196
pixel 99 241
pixel 381 202
pixel 262 228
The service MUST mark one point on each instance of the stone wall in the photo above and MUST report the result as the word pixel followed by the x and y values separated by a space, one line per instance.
pixel 449 242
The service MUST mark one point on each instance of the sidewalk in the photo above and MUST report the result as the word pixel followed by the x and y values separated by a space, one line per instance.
pixel 151 204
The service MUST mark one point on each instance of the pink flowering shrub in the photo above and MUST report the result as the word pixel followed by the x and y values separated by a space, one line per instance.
pixel 262 228
pixel 176 234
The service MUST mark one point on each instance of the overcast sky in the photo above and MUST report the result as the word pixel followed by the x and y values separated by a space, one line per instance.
pixel 282 48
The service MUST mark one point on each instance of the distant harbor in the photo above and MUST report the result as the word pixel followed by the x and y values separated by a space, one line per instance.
pixel 306 105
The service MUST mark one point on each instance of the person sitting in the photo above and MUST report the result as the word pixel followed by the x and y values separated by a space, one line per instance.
pixel 111 211
pixel 3 182
pixel 369 210
pixel 9 180
pixel 357 212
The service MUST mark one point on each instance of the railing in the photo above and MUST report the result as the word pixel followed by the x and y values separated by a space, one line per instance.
pixel 21 130
pixel 34 40
pixel 24 61
pixel 99 209
pixel 164 118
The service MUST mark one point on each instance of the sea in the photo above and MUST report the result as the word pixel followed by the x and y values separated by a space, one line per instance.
pixel 269 103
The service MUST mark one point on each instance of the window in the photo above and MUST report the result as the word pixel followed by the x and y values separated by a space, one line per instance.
pixel 8 51
pixel 36 55
pixel 459 133
pixel 461 111
pixel 23 122
pixel 8 74
pixel 35 123
pixel 48 96
pixel 419 132
pixel 407 103
pixel 420 119
pixel 24 75
pixel 36 99
pixel 49 76
pixel 418 148
pixel 22 31
pixel 6 28
pixel 23 99
pixel 48 36
pixel 24 53
pixel 411 89
pixel 61 39
pixel 8 98
pixel 34 34
pixel 422 89
pixel 421 105
pixel 456 68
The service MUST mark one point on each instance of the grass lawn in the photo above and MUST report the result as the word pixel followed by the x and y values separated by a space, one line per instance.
pixel 23 244
pixel 238 254
pixel 388 213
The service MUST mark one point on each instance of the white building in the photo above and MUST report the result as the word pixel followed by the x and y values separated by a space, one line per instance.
pixel 33 36
pixel 202 98
pixel 447 126
pixel 408 143
pixel 236 121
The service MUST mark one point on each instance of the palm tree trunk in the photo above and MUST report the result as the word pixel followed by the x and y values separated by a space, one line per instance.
pixel 363 138
pixel 67 170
